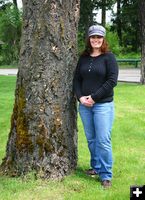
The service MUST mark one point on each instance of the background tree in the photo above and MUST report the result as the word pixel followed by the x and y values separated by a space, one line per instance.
pixel 103 12
pixel 90 8
pixel 118 22
pixel 141 6
pixel 104 6
pixel 86 20
pixel 127 25
pixel 10 33
pixel 43 125
pixel 15 3
pixel 86 15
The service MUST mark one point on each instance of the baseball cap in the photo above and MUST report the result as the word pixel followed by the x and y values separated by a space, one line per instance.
pixel 96 30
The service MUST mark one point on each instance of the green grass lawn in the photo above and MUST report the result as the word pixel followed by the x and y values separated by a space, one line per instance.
pixel 8 66
pixel 128 138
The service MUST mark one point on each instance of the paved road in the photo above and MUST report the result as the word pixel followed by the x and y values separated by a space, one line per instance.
pixel 9 72
pixel 125 75
pixel 129 75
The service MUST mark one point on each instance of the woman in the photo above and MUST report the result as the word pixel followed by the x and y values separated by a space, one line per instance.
pixel 95 77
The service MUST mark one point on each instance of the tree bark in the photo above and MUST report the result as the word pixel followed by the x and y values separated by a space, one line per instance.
pixel 141 5
pixel 103 13
pixel 119 23
pixel 43 135
pixel 15 3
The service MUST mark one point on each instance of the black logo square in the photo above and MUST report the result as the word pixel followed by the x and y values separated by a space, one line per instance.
pixel 137 192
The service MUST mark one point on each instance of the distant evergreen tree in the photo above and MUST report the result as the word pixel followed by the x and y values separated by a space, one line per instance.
pixel 10 32
pixel 126 23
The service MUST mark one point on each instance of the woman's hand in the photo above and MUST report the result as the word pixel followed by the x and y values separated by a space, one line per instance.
pixel 90 100
pixel 84 101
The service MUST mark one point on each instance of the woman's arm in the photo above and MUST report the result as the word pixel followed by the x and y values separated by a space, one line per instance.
pixel 77 81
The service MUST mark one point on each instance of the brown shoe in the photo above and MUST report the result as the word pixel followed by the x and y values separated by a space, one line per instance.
pixel 91 172
pixel 106 184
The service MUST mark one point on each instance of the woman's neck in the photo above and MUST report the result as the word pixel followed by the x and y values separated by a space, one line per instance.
pixel 95 52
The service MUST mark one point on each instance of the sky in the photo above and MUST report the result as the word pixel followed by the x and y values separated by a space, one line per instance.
pixel 19 2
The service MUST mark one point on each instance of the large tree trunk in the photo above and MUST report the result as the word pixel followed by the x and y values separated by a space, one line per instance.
pixel 142 25
pixel 43 135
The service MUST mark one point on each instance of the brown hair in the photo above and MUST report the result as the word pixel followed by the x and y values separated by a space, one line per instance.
pixel 88 50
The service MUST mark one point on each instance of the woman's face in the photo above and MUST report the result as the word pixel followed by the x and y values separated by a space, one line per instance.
pixel 96 41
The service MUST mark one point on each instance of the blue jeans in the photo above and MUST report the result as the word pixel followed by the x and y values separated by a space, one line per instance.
pixel 97 121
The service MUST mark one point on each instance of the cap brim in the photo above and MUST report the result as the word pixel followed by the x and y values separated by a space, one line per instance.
pixel 96 34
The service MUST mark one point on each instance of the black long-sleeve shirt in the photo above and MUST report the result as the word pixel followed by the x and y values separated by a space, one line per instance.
pixel 96 76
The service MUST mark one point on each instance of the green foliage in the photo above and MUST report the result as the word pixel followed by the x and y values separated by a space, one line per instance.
pixel 113 41
pixel 126 20
pixel 129 55
pixel 8 66
pixel 10 32
pixel 81 42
